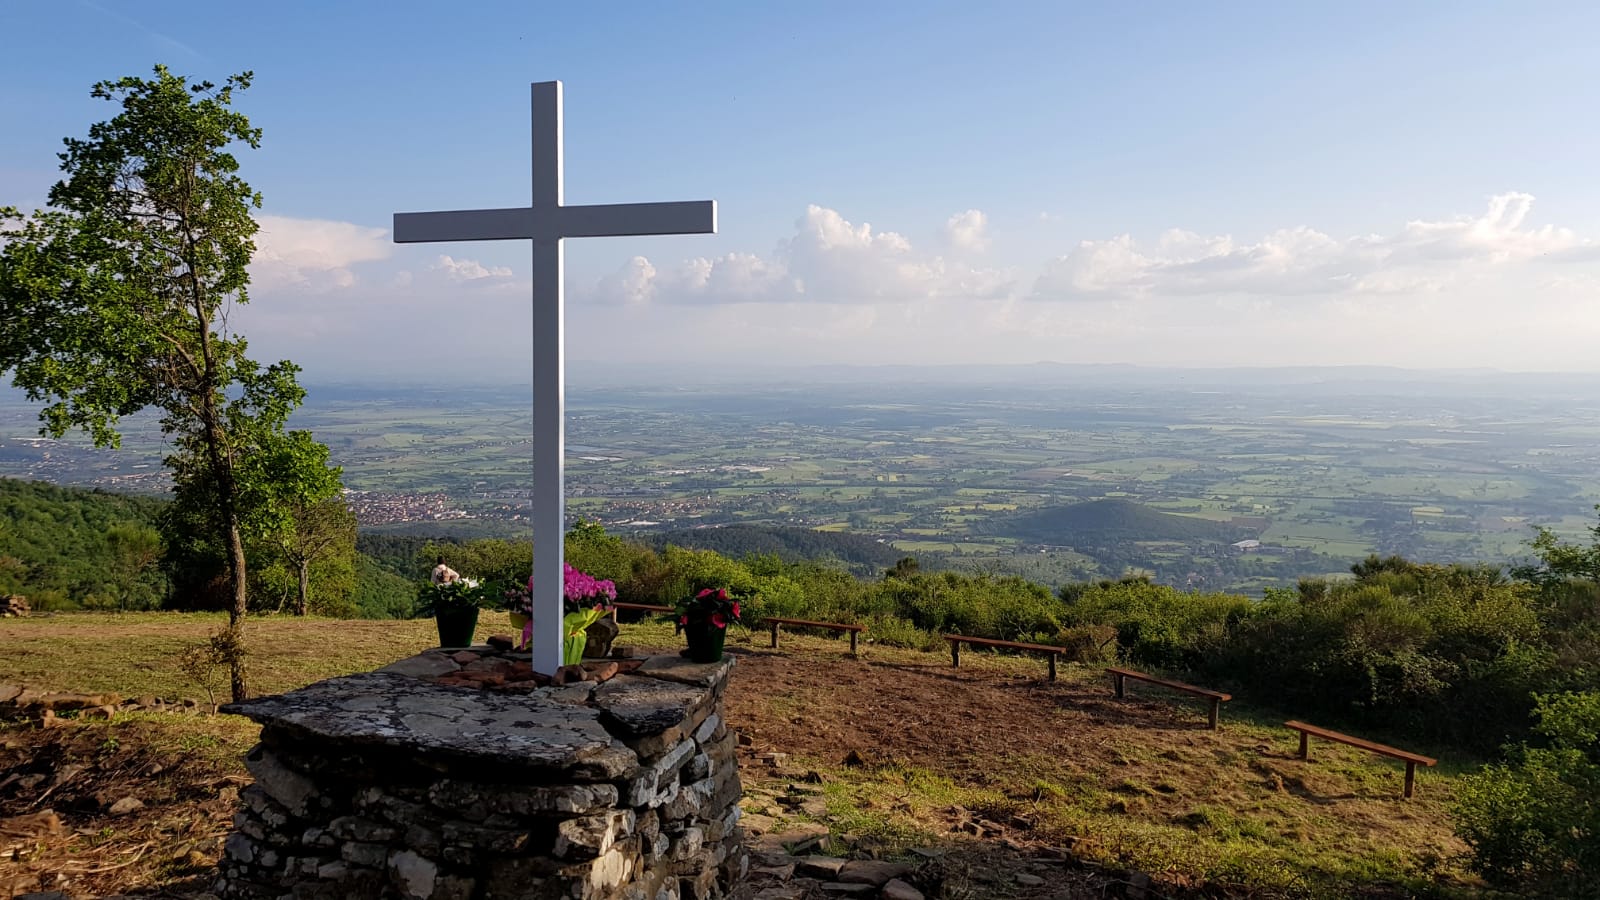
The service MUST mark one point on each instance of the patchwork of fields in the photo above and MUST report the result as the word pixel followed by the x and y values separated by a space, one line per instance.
pixel 1319 476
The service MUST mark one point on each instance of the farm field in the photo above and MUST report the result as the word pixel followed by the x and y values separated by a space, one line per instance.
pixel 1321 474
pixel 909 753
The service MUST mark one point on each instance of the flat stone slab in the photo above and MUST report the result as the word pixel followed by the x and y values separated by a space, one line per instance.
pixel 400 711
pixel 638 705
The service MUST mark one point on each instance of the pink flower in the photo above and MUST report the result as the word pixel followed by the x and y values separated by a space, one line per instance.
pixel 718 620
pixel 736 610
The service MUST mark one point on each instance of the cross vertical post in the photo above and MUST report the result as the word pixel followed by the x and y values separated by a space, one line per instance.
pixel 546 222
pixel 549 386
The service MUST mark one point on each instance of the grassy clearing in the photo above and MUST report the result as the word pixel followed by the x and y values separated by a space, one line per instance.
pixel 1137 783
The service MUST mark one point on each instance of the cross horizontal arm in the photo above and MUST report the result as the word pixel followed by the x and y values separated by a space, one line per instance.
pixel 465 225
pixel 625 219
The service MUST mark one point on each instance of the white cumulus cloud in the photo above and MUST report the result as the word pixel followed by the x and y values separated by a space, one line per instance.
pixel 1421 256
pixel 828 260
pixel 468 269
pixel 968 230
pixel 317 254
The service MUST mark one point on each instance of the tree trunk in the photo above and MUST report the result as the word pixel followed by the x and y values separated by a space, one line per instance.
pixel 236 613
pixel 305 587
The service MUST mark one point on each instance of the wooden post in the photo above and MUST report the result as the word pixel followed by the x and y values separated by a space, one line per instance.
pixel 774 635
pixel 853 651
pixel 1304 752
pixel 1052 665
pixel 1411 776
pixel 955 654
pixel 1116 683
pixel 1214 704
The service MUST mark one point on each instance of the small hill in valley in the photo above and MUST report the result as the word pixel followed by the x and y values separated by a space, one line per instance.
pixel 1102 522
pixel 862 554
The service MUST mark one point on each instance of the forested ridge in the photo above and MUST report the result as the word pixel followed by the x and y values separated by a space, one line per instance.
pixel 74 547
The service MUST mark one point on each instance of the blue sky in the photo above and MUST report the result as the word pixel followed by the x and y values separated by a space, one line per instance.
pixel 1156 183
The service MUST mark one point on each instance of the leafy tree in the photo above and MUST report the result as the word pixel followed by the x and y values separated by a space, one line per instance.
pixel 1560 561
pixel 134 550
pixel 115 298
pixel 312 522
pixel 1534 823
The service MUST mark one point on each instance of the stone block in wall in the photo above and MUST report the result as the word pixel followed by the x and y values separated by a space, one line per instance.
pixel 591 836
pixel 294 791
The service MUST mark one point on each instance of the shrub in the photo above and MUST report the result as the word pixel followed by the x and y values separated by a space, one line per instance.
pixel 1534 823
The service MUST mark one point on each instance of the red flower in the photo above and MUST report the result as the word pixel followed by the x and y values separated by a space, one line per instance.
pixel 704 594
pixel 736 609
pixel 718 620
pixel 683 620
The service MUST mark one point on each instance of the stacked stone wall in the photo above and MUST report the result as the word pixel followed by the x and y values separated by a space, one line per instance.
pixel 388 785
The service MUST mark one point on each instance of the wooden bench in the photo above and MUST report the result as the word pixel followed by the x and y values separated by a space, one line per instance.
pixel 956 640
pixel 807 623
pixel 1217 698
pixel 1411 759
pixel 638 607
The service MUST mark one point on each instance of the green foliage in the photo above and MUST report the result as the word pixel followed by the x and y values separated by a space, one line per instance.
pixel 71 548
pixel 379 593
pixel 1534 823
pixel 1156 625
pixel 115 299
pixel 468 593
pixel 493 560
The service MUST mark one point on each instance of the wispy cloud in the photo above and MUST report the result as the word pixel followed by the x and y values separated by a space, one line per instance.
pixel 164 41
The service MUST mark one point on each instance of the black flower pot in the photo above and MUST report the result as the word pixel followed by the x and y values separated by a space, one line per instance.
pixel 456 626
pixel 705 641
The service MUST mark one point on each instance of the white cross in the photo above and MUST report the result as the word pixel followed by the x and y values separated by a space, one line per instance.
pixel 546 222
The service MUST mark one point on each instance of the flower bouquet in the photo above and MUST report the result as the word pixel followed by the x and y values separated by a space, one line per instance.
pixel 454 607
pixel 585 601
pixel 704 621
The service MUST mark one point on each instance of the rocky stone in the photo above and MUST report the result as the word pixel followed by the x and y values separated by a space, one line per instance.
pixel 396 711
pixel 502 642
pixel 819 867
pixel 844 889
pixel 1028 880
pixel 895 889
pixel 415 875
pixel 429 664
pixel 355 828
pixel 592 836
pixel 1138 887
pixel 635 706
pixel 125 806
pixel 293 790
pixel 372 855
pixel 875 872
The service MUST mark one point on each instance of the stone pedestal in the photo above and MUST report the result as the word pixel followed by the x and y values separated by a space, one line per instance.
pixel 389 784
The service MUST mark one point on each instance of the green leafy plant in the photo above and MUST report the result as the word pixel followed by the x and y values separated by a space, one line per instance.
pixel 467 593
pixel 1534 822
